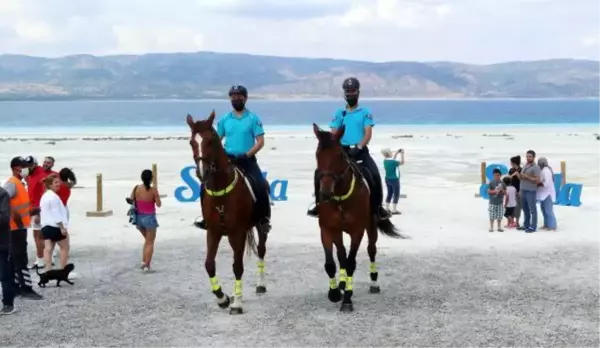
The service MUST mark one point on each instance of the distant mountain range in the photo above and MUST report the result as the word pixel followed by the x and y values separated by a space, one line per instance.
pixel 209 75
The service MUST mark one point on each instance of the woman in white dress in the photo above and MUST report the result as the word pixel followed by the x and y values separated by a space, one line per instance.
pixel 55 222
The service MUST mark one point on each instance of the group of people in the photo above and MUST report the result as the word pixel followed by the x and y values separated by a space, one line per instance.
pixel 521 190
pixel 33 197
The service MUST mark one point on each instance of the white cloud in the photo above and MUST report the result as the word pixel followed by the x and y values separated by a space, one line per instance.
pixel 480 31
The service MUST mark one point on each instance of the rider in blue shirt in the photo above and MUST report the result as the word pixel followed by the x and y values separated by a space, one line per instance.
pixel 244 138
pixel 358 122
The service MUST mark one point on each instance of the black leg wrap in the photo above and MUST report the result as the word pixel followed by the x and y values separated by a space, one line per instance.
pixel 374 276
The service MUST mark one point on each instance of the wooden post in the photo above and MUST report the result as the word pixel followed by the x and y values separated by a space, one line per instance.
pixel 563 171
pixel 100 212
pixel 483 176
pixel 155 178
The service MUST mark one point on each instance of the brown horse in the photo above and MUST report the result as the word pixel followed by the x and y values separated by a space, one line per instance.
pixel 345 207
pixel 227 209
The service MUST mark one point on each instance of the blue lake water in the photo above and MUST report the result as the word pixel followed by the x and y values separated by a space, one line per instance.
pixel 168 114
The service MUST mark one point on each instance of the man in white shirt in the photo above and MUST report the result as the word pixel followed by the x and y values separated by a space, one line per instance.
pixel 546 194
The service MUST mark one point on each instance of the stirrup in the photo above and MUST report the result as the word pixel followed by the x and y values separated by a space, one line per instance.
pixel 200 224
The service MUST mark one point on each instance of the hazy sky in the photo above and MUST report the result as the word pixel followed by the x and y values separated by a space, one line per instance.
pixel 478 31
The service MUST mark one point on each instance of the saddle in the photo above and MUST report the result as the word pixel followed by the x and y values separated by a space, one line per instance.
pixel 363 173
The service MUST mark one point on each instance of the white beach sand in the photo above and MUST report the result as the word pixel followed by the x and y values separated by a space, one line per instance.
pixel 452 283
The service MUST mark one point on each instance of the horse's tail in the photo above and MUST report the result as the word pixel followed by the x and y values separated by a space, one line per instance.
pixel 387 228
pixel 251 243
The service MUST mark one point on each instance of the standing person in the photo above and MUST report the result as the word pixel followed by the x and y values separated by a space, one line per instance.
pixel 546 194
pixel 392 178
pixel 244 138
pixel 6 266
pixel 496 190
pixel 145 199
pixel 358 128
pixel 530 176
pixel 513 173
pixel 19 222
pixel 510 202
pixel 54 221
pixel 35 189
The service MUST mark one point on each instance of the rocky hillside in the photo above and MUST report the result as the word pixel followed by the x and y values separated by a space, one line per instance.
pixel 209 75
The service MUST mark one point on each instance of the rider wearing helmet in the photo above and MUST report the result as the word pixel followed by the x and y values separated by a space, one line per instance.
pixel 244 138
pixel 358 122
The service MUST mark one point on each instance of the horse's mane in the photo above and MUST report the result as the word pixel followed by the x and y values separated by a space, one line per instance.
pixel 326 140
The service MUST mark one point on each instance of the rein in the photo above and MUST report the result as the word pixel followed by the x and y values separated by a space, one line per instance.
pixel 212 170
pixel 338 177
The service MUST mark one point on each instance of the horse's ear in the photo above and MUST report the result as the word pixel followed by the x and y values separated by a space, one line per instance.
pixel 211 118
pixel 316 129
pixel 339 133
pixel 190 121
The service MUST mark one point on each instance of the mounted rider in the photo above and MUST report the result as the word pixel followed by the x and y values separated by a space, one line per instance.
pixel 244 138
pixel 358 122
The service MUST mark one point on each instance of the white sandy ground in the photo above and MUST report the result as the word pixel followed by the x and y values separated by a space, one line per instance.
pixel 452 284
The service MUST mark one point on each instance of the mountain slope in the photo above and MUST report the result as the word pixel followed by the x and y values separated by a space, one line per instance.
pixel 209 75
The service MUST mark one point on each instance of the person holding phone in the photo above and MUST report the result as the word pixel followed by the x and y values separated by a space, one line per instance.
pixel 392 177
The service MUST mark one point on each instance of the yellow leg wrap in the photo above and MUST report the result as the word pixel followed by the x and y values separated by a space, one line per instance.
pixel 373 267
pixel 342 275
pixel 349 285
pixel 261 266
pixel 237 289
pixel 333 283
pixel 214 284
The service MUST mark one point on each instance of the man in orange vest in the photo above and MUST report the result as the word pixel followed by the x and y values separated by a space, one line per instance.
pixel 19 221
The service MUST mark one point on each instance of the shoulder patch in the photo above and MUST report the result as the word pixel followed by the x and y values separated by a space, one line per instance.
pixel 370 116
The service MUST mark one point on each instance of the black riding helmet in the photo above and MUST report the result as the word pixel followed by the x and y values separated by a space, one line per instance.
pixel 238 89
pixel 350 84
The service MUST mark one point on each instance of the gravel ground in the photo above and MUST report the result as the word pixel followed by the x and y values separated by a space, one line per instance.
pixel 440 298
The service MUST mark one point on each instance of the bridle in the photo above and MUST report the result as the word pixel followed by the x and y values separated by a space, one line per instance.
pixel 209 164
pixel 338 177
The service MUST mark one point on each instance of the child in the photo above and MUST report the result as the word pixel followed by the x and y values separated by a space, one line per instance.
pixel 496 191
pixel 510 202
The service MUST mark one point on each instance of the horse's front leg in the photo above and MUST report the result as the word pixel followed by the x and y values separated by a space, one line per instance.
pixel 213 238
pixel 356 236
pixel 261 286
pixel 334 294
pixel 237 240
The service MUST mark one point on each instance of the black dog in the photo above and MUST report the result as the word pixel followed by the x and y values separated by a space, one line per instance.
pixel 60 275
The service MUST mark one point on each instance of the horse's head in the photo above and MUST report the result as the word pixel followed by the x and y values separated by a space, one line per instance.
pixel 332 162
pixel 210 157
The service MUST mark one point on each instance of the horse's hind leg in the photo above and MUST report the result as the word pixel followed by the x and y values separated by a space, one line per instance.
pixel 261 286
pixel 237 240
pixel 212 245
pixel 355 237
pixel 372 234
pixel 334 294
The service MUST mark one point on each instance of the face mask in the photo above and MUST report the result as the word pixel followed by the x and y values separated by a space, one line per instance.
pixel 24 172
pixel 352 100
pixel 238 105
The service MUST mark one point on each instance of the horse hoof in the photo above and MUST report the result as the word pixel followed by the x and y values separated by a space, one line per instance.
pixel 374 289
pixel 342 285
pixel 347 307
pixel 225 303
pixel 335 295
pixel 236 310
pixel 261 289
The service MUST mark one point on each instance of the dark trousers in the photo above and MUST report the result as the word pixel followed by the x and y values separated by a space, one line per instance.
pixel 20 259
pixel 249 166
pixel 370 171
pixel 393 190
pixel 7 276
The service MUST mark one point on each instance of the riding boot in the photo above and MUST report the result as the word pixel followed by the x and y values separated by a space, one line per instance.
pixel 201 224
pixel 313 212
pixel 264 222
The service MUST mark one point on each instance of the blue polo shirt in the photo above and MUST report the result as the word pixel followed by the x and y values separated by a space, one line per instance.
pixel 355 122
pixel 240 132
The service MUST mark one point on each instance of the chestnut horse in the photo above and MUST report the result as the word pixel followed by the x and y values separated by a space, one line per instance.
pixel 227 209
pixel 345 207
